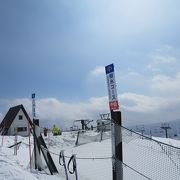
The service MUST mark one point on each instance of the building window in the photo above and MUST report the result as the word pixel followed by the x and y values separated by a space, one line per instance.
pixel 20 117
pixel 21 129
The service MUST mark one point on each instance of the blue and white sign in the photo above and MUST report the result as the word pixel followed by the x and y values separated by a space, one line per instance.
pixel 109 69
pixel 111 83
pixel 33 95
pixel 33 106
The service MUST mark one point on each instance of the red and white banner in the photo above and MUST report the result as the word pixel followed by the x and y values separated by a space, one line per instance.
pixel 111 83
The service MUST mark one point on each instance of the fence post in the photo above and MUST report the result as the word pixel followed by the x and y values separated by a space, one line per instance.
pixel 76 143
pixel 117 149
pixel 36 133
pixel 15 141
pixel 29 134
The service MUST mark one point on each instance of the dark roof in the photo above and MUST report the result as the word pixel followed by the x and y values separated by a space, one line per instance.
pixel 8 119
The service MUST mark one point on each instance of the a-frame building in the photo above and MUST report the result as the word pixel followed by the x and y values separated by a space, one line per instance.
pixel 15 122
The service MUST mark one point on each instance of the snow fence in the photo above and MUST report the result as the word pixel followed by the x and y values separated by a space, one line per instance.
pixel 144 158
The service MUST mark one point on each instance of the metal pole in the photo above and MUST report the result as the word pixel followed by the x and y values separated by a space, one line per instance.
pixel 35 144
pixel 37 154
pixel 61 156
pixel 75 166
pixel 29 134
pixel 117 148
pixel 166 133
pixel 34 130
pixel 15 142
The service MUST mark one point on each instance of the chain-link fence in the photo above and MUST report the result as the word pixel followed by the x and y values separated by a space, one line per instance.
pixel 144 158
pixel 84 137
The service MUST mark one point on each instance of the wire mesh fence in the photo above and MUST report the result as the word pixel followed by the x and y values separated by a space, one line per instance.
pixel 94 159
pixel 144 158
pixel 84 137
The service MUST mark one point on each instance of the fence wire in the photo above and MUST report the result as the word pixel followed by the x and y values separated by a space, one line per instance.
pixel 144 158
pixel 84 137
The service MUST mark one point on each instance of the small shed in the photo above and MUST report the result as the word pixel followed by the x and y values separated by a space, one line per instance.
pixel 15 122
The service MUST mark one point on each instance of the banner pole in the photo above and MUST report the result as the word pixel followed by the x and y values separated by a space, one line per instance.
pixel 117 149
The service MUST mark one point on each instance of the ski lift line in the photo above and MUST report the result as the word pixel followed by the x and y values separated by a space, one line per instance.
pixel 99 126
pixel 177 148
pixel 129 131
pixel 102 125
pixel 93 126
pixel 136 171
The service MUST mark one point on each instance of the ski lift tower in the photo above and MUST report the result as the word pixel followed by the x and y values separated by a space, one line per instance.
pixel 142 130
pixel 165 127
pixel 105 116
pixel 84 123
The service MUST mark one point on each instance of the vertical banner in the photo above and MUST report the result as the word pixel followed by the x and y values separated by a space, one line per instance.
pixel 33 106
pixel 116 134
pixel 111 83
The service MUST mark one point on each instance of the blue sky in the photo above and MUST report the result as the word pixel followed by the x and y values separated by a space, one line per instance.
pixel 58 49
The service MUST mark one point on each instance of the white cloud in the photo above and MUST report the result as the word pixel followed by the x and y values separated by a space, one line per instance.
pixel 141 109
pixel 141 103
pixel 153 68
pixel 166 84
pixel 136 16
pixel 52 109
pixel 163 59
pixel 159 59
pixel 130 74
pixel 98 70
pixel 135 108
pixel 165 48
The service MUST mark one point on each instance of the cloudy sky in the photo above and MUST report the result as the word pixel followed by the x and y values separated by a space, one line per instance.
pixel 58 49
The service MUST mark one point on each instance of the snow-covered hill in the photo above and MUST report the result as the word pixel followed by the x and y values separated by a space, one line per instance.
pixel 155 129
pixel 89 168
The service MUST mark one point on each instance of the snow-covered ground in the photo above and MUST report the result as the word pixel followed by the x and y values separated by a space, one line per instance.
pixel 141 154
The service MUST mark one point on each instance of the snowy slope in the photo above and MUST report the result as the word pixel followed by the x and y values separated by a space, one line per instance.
pixel 16 167
pixel 89 168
